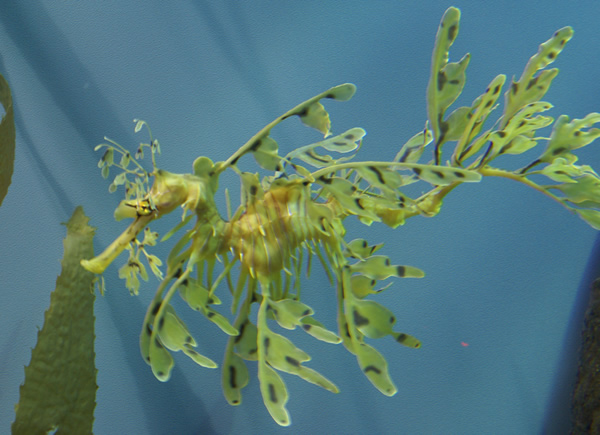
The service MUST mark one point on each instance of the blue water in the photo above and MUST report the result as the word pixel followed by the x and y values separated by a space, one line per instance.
pixel 497 311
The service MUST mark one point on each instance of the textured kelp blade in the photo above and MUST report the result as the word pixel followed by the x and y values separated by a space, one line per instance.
pixel 531 87
pixel 60 381
pixel 7 139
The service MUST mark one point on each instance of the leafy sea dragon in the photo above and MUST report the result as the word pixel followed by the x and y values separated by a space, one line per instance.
pixel 300 209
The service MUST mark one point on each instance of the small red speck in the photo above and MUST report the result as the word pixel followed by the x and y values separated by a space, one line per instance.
pixel 463 344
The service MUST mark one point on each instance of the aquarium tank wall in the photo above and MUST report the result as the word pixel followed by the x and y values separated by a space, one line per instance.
pixel 492 329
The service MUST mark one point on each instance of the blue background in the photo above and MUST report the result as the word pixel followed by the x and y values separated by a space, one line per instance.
pixel 504 264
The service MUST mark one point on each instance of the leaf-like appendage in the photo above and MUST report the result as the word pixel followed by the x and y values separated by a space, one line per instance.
pixel 447 79
pixel 235 377
pixel 379 267
pixel 375 368
pixel 342 143
pixel 531 87
pixel 570 135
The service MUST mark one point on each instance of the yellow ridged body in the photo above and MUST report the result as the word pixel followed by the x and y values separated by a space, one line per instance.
pixel 272 228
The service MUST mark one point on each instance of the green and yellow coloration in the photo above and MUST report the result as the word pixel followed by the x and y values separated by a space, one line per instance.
pixel 299 210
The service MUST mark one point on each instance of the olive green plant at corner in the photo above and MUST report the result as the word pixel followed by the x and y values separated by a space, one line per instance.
pixel 297 212
pixel 59 392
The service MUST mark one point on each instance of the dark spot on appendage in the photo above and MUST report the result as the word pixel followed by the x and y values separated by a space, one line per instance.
pixel 377 173
pixel 514 88
pixel 392 319
pixel 357 201
pixel 148 329
pixel 211 300
pixel 292 361
pixel 373 369
pixel 563 41
pixel 255 145
pixel 454 82
pixel 401 271
pixel 303 112
pixel 235 160
pixel 387 262
pixel 401 338
pixel 161 323
pixel 502 134
pixel 306 326
pixel 558 151
pixel 347 330
pixel 496 89
pixel 188 339
pixel 160 374
pixel 349 137
pixel 305 313
pixel 438 174
pixel 577 133
pixel 459 174
pixel 266 343
pixel 253 351
pixel 155 308
pixel 488 104
pixel 521 124
pixel 232 374
pixel 239 336
pixel 531 83
pixel 452 32
pixel 340 144
pixel 330 96
pixel 551 55
pixel 157 343
pixel 441 80
pixel 325 180
pixel 253 190
pixel 358 319
pixel 417 171
pixel 210 314
pixel 272 394
pixel 505 148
